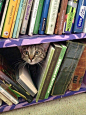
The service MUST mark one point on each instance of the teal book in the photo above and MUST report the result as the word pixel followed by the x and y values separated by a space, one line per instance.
pixel 38 17
pixel 72 56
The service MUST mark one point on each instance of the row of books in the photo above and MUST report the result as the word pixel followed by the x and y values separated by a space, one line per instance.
pixel 41 17
pixel 63 69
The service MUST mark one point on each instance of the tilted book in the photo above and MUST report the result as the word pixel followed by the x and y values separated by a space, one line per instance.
pixel 52 15
pixel 33 17
pixel 42 76
pixel 38 17
pixel 23 77
pixel 69 64
pixel 9 18
pixel 26 17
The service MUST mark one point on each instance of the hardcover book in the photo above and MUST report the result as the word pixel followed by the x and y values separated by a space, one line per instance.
pixel 72 56
pixel 9 18
pixel 61 17
pixel 80 16
pixel 52 15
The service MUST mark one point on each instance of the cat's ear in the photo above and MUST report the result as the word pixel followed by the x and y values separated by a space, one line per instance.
pixel 20 48
pixel 45 46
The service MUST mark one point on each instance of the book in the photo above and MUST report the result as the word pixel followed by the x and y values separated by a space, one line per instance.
pixel 38 17
pixel 84 28
pixel 9 18
pixel 52 15
pixel 21 18
pixel 14 19
pixel 4 89
pixel 1 5
pixel 61 17
pixel 5 99
pixel 33 17
pixel 26 17
pixel 17 19
pixel 80 16
pixel 3 14
pixel 69 64
pixel 0 102
pixel 42 75
pixel 44 15
pixel 23 77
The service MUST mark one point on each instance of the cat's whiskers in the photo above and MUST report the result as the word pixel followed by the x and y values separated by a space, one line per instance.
pixel 40 65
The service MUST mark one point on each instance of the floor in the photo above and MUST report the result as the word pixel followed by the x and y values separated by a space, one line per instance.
pixel 72 105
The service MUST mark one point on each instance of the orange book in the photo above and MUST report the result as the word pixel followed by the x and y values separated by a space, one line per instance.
pixel 9 18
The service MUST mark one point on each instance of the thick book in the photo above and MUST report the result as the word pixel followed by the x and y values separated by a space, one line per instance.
pixel 23 77
pixel 69 64
pixel 26 17
pixel 33 17
pixel 52 15
pixel 61 17
pixel 21 18
pixel 44 15
pixel 38 17
pixel 3 14
pixel 80 16
pixel 9 18
pixel 42 75
pixel 14 19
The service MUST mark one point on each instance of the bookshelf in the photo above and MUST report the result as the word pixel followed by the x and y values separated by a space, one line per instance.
pixel 36 39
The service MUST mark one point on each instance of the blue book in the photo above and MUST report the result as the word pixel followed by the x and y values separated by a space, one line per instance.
pixel 44 17
pixel 80 16
pixel 17 19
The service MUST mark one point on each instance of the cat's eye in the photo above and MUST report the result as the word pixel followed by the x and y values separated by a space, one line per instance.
pixel 26 53
pixel 37 52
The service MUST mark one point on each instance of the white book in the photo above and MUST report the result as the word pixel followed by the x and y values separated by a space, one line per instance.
pixel 4 14
pixel 84 29
pixel 33 17
pixel 52 15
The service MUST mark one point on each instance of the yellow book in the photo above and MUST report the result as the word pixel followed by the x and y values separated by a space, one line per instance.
pixel 9 18
pixel 14 19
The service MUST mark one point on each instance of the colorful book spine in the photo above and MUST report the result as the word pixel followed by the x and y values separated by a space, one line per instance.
pixel 33 17
pixel 44 17
pixel 26 17
pixel 21 18
pixel 17 19
pixel 3 16
pixel 1 5
pixel 52 15
pixel 80 16
pixel 38 17
pixel 58 63
pixel 14 19
pixel 45 70
pixel 9 18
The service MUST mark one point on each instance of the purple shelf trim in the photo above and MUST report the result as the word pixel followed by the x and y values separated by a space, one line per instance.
pixel 37 39
pixel 23 103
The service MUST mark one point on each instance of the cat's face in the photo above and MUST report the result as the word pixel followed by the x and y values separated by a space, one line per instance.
pixel 33 54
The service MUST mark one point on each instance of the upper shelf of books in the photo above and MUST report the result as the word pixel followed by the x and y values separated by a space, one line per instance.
pixel 37 39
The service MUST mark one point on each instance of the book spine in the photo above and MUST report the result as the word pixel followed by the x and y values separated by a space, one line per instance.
pixel 38 17
pixel 61 17
pixel 51 52
pixel 14 19
pixel 17 19
pixel 5 99
pixel 26 17
pixel 56 70
pixel 84 29
pixel 3 17
pixel 50 71
pixel 80 16
pixel 0 102
pixel 44 17
pixel 33 17
pixel 9 96
pixel 9 18
pixel 1 5
pixel 52 15
pixel 21 18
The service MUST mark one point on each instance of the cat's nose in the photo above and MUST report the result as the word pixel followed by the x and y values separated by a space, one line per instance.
pixel 31 58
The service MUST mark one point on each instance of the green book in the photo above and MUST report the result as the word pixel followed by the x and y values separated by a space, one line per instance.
pixel 44 71
pixel 1 5
pixel 58 63
pixel 38 17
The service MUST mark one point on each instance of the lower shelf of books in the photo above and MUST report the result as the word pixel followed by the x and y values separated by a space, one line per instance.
pixel 22 103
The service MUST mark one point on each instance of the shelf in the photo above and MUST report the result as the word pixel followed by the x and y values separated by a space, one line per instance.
pixel 23 103
pixel 37 39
